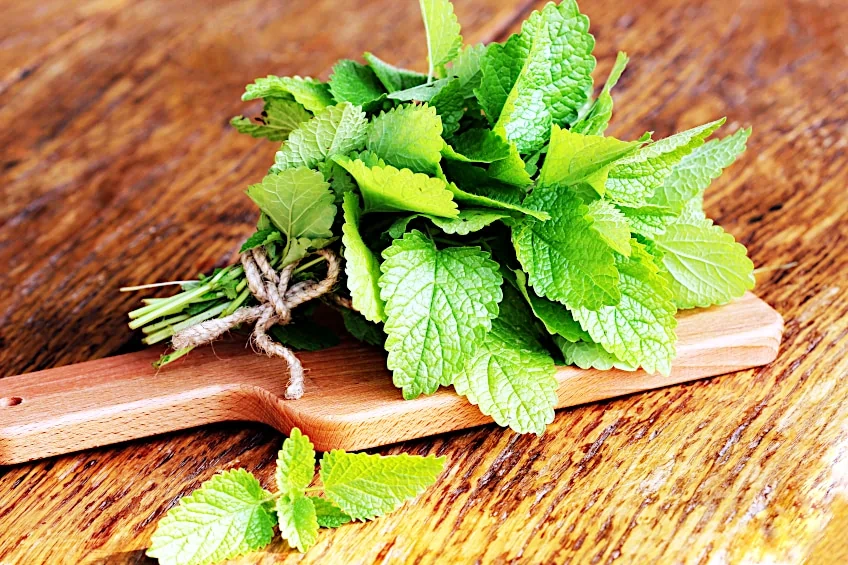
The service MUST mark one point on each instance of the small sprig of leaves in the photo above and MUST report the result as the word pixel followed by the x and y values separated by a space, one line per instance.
pixel 489 225
pixel 232 514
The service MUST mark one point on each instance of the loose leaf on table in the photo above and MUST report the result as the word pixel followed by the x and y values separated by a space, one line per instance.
pixel 295 463
pixel 565 259
pixel 337 130
pixel 279 118
pixel 633 180
pixel 693 174
pixel 387 189
pixel 443 38
pixel 704 264
pixel 361 265
pixel 439 306
pixel 407 137
pixel 539 77
pixel 328 514
pixel 639 330
pixel 597 117
pixel 310 93
pixel 394 78
pixel 511 377
pixel 297 520
pixel 365 486
pixel 355 83
pixel 229 515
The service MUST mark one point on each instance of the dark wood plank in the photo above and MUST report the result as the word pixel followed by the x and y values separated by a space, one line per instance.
pixel 117 167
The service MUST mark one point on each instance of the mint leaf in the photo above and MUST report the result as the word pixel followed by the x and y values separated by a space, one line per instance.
pixel 565 259
pixel 478 189
pixel 574 158
pixel 363 330
pixel 648 220
pixel 387 189
pixel 443 39
pixel 540 76
pixel 340 181
pixel 639 330
pixel 295 463
pixel 407 137
pixel 590 355
pixel 328 514
pixel 511 377
pixel 611 225
pixel 226 517
pixel 338 130
pixel 704 264
pixel 297 520
pixel 597 118
pixel 466 67
pixel 361 265
pixel 439 305
pixel 556 318
pixel 365 486
pixel 421 93
pixel 450 105
pixel 310 93
pixel 634 179
pixel 468 221
pixel 394 78
pixel 511 170
pixel 279 118
pixel 260 237
pixel 693 174
pixel 299 203
pixel 355 83
pixel 476 146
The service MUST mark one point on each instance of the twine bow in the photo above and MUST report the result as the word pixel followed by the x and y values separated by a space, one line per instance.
pixel 276 301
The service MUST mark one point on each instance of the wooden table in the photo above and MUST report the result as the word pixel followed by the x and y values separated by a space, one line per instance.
pixel 117 166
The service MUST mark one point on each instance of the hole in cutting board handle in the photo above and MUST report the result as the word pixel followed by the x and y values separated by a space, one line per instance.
pixel 10 401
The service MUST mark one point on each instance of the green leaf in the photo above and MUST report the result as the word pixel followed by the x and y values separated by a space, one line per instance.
pixel 704 264
pixel 408 137
pixel 387 189
pixel 611 225
pixel 304 334
pixel 597 119
pixel 511 170
pixel 540 76
pixel 362 329
pixel 694 173
pixel 639 330
pixel 394 78
pixel 443 38
pixel 478 189
pixel 355 83
pixel 260 237
pixel 338 130
pixel 511 378
pixel 466 67
pixel 295 463
pixel 340 181
pixel 633 180
pixel 361 265
pixel 298 201
pixel 468 221
pixel 476 146
pixel 450 105
pixel 328 514
pixel 565 259
pixel 573 158
pixel 366 486
pixel 440 305
pixel 556 318
pixel 589 355
pixel 310 93
pixel 279 118
pixel 297 520
pixel 226 517
pixel 648 220
pixel 422 93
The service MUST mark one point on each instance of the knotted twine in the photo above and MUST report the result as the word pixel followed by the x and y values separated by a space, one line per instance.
pixel 276 301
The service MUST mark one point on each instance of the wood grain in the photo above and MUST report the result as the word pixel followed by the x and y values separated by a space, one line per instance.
pixel 117 167
pixel 350 402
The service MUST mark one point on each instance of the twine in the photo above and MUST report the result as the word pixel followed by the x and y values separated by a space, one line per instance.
pixel 276 301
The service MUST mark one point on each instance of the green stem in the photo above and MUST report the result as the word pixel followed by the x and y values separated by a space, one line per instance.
pixel 171 330
pixel 164 323
pixel 173 307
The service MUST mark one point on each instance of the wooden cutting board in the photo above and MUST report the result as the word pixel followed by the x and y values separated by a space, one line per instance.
pixel 350 402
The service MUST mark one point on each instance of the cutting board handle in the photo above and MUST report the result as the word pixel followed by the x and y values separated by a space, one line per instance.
pixel 122 398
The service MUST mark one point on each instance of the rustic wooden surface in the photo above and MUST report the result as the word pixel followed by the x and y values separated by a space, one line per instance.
pixel 117 166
